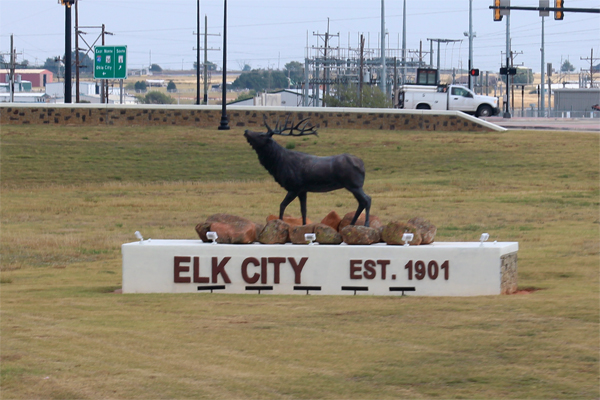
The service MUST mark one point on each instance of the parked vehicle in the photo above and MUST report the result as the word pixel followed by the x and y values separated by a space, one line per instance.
pixel 446 97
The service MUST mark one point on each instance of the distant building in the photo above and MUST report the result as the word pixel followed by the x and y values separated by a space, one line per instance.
pixel 37 77
pixel 280 98
pixel 30 97
pixel 578 102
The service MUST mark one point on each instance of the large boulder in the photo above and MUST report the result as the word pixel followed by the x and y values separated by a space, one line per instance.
pixel 327 235
pixel 275 232
pixel 332 219
pixel 230 229
pixel 393 231
pixel 360 235
pixel 289 220
pixel 297 233
pixel 425 228
pixel 374 221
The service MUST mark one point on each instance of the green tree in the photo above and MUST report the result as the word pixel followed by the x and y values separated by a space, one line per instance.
pixel 155 68
pixel 347 96
pixel 53 65
pixel 171 87
pixel 210 66
pixel 567 66
pixel 295 71
pixel 155 98
pixel 140 86
pixel 524 76
pixel 248 95
pixel 260 79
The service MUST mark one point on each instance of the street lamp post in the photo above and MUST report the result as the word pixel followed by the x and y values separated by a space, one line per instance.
pixel 224 121
pixel 67 4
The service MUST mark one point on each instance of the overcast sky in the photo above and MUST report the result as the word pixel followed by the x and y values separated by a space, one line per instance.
pixel 271 33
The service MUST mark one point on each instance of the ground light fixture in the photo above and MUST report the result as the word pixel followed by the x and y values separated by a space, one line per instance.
pixel 212 236
pixel 310 238
pixel 407 237
pixel 483 238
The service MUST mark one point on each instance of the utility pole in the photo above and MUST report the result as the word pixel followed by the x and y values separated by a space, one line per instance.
pixel 205 65
pixel 470 43
pixel 542 105
pixel 383 70
pixel 198 53
pixel 361 73
pixel 404 44
pixel 325 66
pixel 12 70
pixel 591 59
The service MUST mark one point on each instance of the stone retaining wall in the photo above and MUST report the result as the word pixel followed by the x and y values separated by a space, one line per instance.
pixel 240 117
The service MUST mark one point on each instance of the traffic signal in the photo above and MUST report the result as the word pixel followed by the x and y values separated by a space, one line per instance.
pixel 497 14
pixel 559 15
pixel 474 72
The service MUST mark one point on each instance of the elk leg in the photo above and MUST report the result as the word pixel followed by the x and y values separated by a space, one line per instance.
pixel 364 203
pixel 302 198
pixel 289 197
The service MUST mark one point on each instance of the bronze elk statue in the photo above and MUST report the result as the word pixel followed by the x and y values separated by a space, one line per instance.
pixel 300 173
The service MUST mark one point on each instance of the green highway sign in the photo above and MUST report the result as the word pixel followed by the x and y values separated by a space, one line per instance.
pixel 110 62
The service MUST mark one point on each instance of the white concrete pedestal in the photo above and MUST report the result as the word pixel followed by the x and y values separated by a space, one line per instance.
pixel 438 269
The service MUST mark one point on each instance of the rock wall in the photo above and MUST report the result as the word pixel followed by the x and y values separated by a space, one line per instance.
pixel 240 117
pixel 508 272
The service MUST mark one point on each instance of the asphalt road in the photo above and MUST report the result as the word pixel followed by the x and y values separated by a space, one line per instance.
pixel 566 124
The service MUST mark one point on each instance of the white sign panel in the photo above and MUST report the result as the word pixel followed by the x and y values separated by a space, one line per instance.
pixel 439 269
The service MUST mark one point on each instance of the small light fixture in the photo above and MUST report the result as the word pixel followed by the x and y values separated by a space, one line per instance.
pixel 483 238
pixel 212 236
pixel 139 236
pixel 407 237
pixel 310 238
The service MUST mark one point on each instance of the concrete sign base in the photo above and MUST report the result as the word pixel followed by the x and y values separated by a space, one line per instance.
pixel 438 269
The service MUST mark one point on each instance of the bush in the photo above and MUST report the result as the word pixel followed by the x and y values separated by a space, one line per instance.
pixel 171 87
pixel 155 98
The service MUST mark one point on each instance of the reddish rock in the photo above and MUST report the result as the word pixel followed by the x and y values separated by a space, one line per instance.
pixel 332 219
pixel 327 235
pixel 230 229
pixel 357 234
pixel 289 220
pixel 297 233
pixel 275 232
pixel 374 221
pixel 425 228
pixel 201 230
pixel 393 231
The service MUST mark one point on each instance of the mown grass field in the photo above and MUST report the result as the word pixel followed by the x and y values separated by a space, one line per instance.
pixel 71 196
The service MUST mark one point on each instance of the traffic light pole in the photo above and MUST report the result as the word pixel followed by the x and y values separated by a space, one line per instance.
pixel 507 107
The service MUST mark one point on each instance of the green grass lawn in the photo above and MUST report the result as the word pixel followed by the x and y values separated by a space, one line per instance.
pixel 71 196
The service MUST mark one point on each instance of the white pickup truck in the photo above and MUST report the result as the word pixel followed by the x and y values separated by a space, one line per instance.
pixel 446 97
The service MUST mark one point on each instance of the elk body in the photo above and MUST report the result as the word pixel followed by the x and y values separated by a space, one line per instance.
pixel 300 173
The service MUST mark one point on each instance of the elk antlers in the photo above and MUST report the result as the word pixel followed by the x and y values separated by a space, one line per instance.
pixel 301 127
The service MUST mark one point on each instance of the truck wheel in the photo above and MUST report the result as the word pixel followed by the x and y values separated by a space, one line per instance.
pixel 423 107
pixel 484 111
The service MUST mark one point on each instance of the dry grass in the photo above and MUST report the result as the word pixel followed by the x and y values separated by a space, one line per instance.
pixel 65 334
